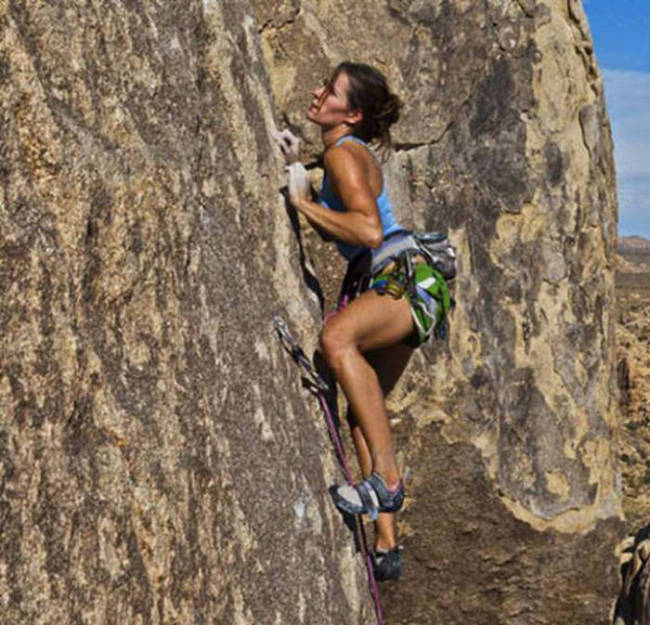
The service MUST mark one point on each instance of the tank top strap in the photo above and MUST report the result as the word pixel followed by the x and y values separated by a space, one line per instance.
pixel 354 138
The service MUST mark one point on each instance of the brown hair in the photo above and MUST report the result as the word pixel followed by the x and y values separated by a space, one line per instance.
pixel 369 93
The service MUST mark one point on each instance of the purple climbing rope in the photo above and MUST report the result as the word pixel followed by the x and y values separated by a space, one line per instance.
pixel 319 388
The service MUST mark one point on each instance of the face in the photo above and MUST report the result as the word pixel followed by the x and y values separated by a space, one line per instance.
pixel 329 107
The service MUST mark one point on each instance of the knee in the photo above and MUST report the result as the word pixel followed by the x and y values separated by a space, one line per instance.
pixel 333 345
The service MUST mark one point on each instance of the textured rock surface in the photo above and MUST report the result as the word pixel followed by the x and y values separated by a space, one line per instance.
pixel 633 337
pixel 160 463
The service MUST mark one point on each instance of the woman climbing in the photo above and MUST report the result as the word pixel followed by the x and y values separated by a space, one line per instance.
pixel 391 298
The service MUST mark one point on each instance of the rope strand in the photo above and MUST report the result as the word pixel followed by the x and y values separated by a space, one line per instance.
pixel 319 387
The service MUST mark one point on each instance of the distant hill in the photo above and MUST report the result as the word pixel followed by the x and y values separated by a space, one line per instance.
pixel 633 263
pixel 633 245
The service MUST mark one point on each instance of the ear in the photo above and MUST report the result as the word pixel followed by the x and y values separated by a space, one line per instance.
pixel 354 117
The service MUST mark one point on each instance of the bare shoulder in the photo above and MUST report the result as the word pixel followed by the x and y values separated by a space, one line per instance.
pixel 349 157
pixel 352 165
pixel 348 153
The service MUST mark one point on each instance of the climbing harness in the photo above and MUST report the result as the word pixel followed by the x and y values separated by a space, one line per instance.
pixel 435 247
pixel 415 265
pixel 439 251
pixel 319 387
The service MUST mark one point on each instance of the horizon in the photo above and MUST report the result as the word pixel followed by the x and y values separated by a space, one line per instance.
pixel 634 236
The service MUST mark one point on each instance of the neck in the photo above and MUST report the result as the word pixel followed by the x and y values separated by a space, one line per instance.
pixel 330 136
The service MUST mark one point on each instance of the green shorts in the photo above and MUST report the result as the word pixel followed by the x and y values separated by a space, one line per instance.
pixel 428 297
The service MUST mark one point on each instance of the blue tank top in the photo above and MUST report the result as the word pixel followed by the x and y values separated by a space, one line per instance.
pixel 328 198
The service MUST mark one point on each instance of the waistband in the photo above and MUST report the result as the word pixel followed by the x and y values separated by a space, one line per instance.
pixel 391 248
pixel 366 252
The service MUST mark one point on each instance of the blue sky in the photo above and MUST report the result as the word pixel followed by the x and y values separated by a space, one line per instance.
pixel 621 33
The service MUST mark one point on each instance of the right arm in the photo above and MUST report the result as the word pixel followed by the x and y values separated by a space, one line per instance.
pixel 360 224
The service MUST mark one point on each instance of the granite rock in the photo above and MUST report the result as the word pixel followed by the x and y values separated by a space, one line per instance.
pixel 160 461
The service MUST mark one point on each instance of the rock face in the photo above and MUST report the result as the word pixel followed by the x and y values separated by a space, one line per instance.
pixel 633 337
pixel 633 369
pixel 160 462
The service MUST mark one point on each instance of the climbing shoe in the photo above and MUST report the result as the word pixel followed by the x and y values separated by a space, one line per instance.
pixel 371 496
pixel 387 564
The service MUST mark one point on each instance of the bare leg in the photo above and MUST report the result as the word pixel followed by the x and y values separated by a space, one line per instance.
pixel 389 364
pixel 369 323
